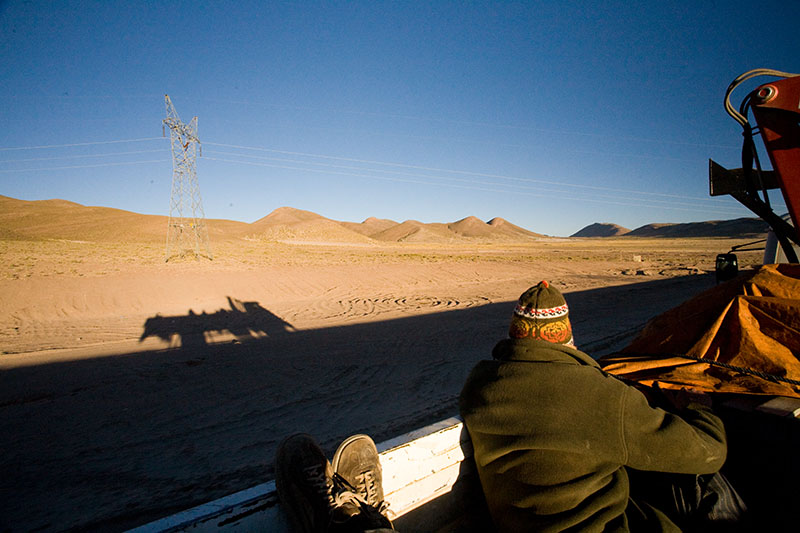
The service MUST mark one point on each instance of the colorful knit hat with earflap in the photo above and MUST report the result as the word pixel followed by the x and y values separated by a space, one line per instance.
pixel 542 313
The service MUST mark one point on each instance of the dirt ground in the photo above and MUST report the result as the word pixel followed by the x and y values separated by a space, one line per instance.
pixel 131 388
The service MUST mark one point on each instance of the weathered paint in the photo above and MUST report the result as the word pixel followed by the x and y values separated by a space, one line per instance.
pixel 418 467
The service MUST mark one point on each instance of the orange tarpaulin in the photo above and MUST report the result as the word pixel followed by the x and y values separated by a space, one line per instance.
pixel 746 331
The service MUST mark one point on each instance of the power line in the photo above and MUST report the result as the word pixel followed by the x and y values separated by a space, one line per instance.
pixel 478 123
pixel 418 175
pixel 358 172
pixel 472 184
pixel 85 166
pixel 82 156
pixel 321 156
pixel 496 190
pixel 8 149
pixel 463 172
pixel 304 154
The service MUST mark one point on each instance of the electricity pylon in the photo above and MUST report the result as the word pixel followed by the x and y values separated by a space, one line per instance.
pixel 186 232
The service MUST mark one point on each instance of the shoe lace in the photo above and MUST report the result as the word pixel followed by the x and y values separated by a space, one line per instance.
pixel 322 483
pixel 355 514
pixel 346 505
pixel 365 483
pixel 365 490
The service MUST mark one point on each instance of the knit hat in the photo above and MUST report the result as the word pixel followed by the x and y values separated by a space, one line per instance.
pixel 542 313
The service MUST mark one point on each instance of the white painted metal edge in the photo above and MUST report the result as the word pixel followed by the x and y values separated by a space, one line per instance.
pixel 237 510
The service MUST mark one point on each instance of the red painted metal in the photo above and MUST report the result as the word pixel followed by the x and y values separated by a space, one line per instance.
pixel 776 108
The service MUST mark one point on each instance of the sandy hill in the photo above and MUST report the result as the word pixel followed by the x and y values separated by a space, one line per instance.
pixel 740 227
pixel 289 224
pixel 505 227
pixel 471 227
pixel 287 215
pixel 60 219
pixel 599 229
pixel 495 229
pixel 370 226
pixel 415 231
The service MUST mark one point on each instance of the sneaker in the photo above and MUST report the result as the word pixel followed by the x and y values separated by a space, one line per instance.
pixel 353 515
pixel 357 464
pixel 315 499
pixel 304 480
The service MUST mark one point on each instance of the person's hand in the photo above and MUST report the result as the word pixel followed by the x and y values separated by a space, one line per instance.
pixel 683 397
pixel 653 393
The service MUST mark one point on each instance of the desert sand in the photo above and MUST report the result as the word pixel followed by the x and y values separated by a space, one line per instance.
pixel 131 388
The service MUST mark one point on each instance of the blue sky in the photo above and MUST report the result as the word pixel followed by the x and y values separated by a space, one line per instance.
pixel 552 115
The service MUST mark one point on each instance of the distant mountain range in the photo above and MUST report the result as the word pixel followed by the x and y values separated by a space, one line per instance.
pixel 61 219
pixel 740 227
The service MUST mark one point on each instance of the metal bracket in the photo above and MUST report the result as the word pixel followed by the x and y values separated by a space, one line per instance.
pixel 729 181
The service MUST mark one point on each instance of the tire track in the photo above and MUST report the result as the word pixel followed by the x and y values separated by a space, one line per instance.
pixel 359 308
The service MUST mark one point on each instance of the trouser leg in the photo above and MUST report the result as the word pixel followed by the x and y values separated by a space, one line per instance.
pixel 694 502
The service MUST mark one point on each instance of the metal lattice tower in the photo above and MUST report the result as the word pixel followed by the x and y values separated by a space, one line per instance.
pixel 187 233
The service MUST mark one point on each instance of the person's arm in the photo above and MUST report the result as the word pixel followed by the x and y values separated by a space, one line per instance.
pixel 692 442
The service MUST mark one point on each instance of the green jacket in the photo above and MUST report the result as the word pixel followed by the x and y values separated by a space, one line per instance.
pixel 553 433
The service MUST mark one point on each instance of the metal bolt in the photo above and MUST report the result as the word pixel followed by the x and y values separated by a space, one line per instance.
pixel 766 93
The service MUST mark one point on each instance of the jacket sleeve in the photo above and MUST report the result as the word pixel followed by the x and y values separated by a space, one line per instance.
pixel 654 439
